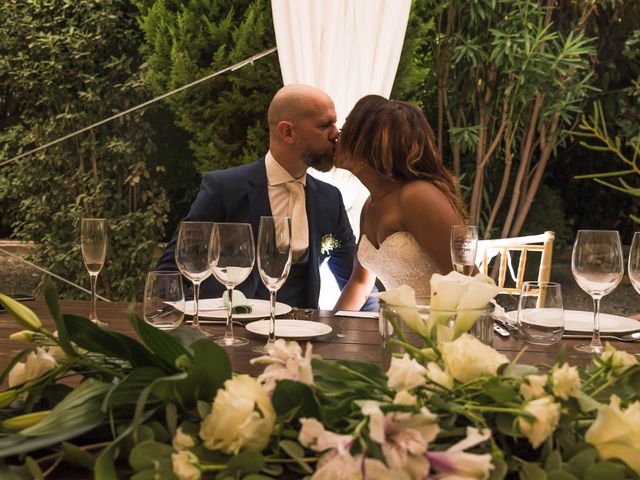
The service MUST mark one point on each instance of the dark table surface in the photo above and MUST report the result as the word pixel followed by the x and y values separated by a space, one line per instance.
pixel 352 338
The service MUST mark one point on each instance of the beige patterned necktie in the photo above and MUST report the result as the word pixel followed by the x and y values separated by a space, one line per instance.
pixel 298 214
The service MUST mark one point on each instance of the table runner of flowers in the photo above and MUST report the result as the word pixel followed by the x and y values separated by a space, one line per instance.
pixel 169 406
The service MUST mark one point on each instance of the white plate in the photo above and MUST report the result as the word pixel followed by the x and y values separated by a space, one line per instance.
pixel 298 329
pixel 215 308
pixel 581 321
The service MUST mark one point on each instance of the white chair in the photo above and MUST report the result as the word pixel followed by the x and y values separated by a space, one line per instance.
pixel 488 249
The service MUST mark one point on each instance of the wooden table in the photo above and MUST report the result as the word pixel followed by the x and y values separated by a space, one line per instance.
pixel 351 339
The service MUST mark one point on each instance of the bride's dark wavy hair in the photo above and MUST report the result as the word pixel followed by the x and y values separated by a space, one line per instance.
pixel 395 139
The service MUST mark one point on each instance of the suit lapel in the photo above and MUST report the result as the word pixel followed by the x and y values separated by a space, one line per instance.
pixel 259 205
pixel 313 217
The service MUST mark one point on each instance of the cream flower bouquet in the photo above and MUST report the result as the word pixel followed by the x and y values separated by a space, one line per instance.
pixel 169 406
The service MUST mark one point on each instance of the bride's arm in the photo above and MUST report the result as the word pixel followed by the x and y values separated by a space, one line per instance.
pixel 355 292
pixel 429 216
pixel 357 289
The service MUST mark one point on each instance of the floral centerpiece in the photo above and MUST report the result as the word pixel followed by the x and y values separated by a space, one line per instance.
pixel 168 406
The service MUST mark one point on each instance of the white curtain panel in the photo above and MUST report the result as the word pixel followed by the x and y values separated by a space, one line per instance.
pixel 349 49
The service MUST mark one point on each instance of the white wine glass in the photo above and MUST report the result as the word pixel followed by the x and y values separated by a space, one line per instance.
pixel 634 262
pixel 231 256
pixel 464 245
pixel 163 303
pixel 93 242
pixel 597 266
pixel 192 258
pixel 274 263
pixel 541 312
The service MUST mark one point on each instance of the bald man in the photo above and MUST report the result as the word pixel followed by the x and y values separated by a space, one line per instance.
pixel 302 134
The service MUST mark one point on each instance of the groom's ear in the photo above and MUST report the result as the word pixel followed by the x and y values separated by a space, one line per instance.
pixel 285 131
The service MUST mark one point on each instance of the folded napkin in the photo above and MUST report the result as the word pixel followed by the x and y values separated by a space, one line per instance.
pixel 240 302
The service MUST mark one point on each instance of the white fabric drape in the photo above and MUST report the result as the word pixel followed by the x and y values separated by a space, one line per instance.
pixel 348 48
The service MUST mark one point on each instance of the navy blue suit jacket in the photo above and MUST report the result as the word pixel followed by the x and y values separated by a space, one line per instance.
pixel 240 194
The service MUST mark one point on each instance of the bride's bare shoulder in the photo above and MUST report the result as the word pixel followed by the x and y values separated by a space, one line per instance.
pixel 421 194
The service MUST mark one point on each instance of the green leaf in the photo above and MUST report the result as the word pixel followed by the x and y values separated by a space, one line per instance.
pixel 77 456
pixel 586 402
pixel 500 469
pixel 18 444
pixel 578 464
pixel 296 452
pixel 560 475
pixel 105 467
pixel 112 344
pixel 246 462
pixel 81 406
pixel 51 297
pixel 34 468
pixel 505 423
pixel 185 336
pixel 129 389
pixel 531 471
pixel 148 453
pixel 159 342
pixel 499 391
pixel 211 367
pixel 289 395
pixel 605 469
pixel 516 370
pixel 553 461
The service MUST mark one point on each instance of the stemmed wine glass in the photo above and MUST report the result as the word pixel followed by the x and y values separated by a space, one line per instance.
pixel 597 266
pixel 192 258
pixel 93 242
pixel 464 244
pixel 274 262
pixel 634 262
pixel 231 257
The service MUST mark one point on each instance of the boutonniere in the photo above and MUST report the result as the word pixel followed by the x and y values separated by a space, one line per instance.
pixel 328 243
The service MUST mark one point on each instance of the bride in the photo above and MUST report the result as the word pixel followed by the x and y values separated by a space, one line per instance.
pixel 406 221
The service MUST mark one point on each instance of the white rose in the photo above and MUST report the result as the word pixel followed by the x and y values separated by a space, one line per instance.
pixel 620 360
pixel 405 373
pixel 182 441
pixel 185 465
pixel 533 387
pixel 566 381
pixel 404 398
pixel 36 365
pixel 439 376
pixel 547 414
pixel 467 358
pixel 242 417
pixel 616 433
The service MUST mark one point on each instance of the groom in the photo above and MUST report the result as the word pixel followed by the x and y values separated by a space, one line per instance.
pixel 302 134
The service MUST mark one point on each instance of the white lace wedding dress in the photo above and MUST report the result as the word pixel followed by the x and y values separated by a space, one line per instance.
pixel 399 260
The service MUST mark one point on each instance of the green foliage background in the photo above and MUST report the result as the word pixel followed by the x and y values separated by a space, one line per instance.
pixel 65 65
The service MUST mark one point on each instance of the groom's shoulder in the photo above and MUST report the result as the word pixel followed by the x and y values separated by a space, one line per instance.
pixel 324 188
pixel 237 173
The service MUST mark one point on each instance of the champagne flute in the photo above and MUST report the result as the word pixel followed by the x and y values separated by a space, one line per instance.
pixel 93 242
pixel 231 256
pixel 192 258
pixel 597 266
pixel 634 262
pixel 464 244
pixel 274 262
pixel 163 305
